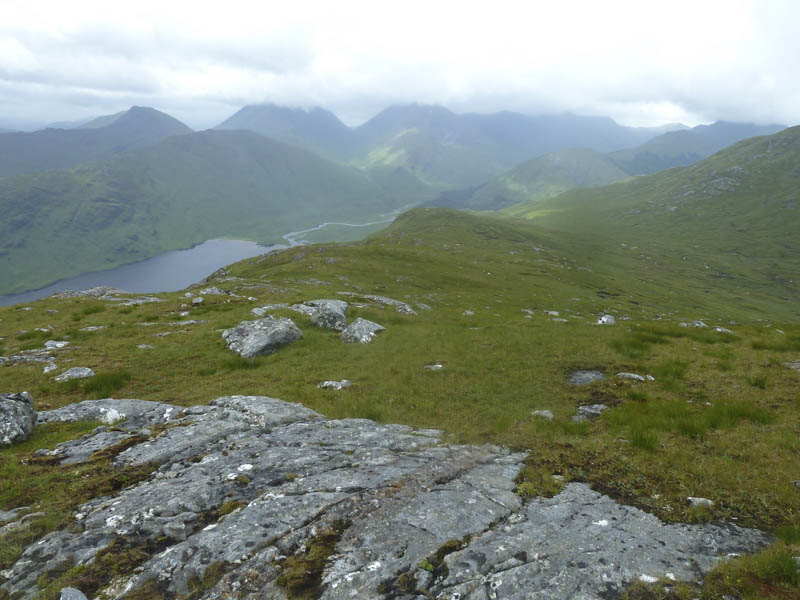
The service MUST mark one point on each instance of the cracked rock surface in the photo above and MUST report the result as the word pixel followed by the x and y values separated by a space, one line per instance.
pixel 248 481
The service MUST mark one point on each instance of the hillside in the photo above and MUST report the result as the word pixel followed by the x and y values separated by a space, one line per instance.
pixel 681 148
pixel 734 214
pixel 182 192
pixel 60 148
pixel 539 179
pixel 491 336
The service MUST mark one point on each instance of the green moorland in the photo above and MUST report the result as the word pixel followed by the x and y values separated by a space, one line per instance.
pixel 720 420
pixel 545 177
pixel 182 192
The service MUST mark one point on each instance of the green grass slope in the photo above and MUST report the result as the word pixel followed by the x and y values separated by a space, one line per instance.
pixel 60 148
pixel 719 420
pixel 734 215
pixel 542 178
pixel 686 147
pixel 182 192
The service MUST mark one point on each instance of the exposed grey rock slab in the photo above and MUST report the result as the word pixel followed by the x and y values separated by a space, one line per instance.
pixel 402 495
pixel 584 546
pixel 55 344
pixel 542 414
pixel 110 411
pixel 361 331
pixel 74 373
pixel 583 377
pixel 17 418
pixel 263 336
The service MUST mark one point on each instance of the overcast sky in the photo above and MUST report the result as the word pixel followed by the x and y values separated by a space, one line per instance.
pixel 639 62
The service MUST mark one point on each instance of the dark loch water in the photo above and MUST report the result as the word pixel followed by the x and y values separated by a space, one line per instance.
pixel 166 272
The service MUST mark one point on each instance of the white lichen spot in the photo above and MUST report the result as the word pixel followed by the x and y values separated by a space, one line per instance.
pixel 374 566
pixel 670 576
pixel 111 415
pixel 113 521
pixel 601 523
pixel 210 527
pixel 647 578
pixel 245 467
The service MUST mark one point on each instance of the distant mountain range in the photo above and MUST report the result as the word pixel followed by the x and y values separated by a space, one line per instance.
pixel 681 148
pixel 124 187
pixel 550 175
pixel 441 148
pixel 22 152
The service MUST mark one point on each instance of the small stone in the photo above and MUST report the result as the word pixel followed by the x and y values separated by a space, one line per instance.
pixel 183 313
pixel 558 320
pixel 70 593
pixel 197 300
pixel 75 373
pixel 697 501
pixel 631 376
pixel 145 346
pixel 698 324
pixel 589 412
pixel 361 331
pixel 606 320
pixel 468 313
pixel 55 344
pixel 722 330
pixel 49 368
pixel 93 328
pixel 544 414
pixel 434 367
pixel 335 385
pixel 552 313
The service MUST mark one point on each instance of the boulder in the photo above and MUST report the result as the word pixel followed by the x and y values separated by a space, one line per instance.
pixel 329 314
pixel 263 336
pixel 75 373
pixel 361 331
pixel 70 593
pixel 17 418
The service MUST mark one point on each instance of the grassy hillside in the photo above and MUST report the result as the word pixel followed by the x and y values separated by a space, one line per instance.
pixel 182 192
pixel 734 215
pixel 719 420
pixel 60 148
pixel 681 148
pixel 542 178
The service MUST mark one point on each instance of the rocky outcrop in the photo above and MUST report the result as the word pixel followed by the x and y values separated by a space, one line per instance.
pixel 17 418
pixel 249 484
pixel 361 331
pixel 263 336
